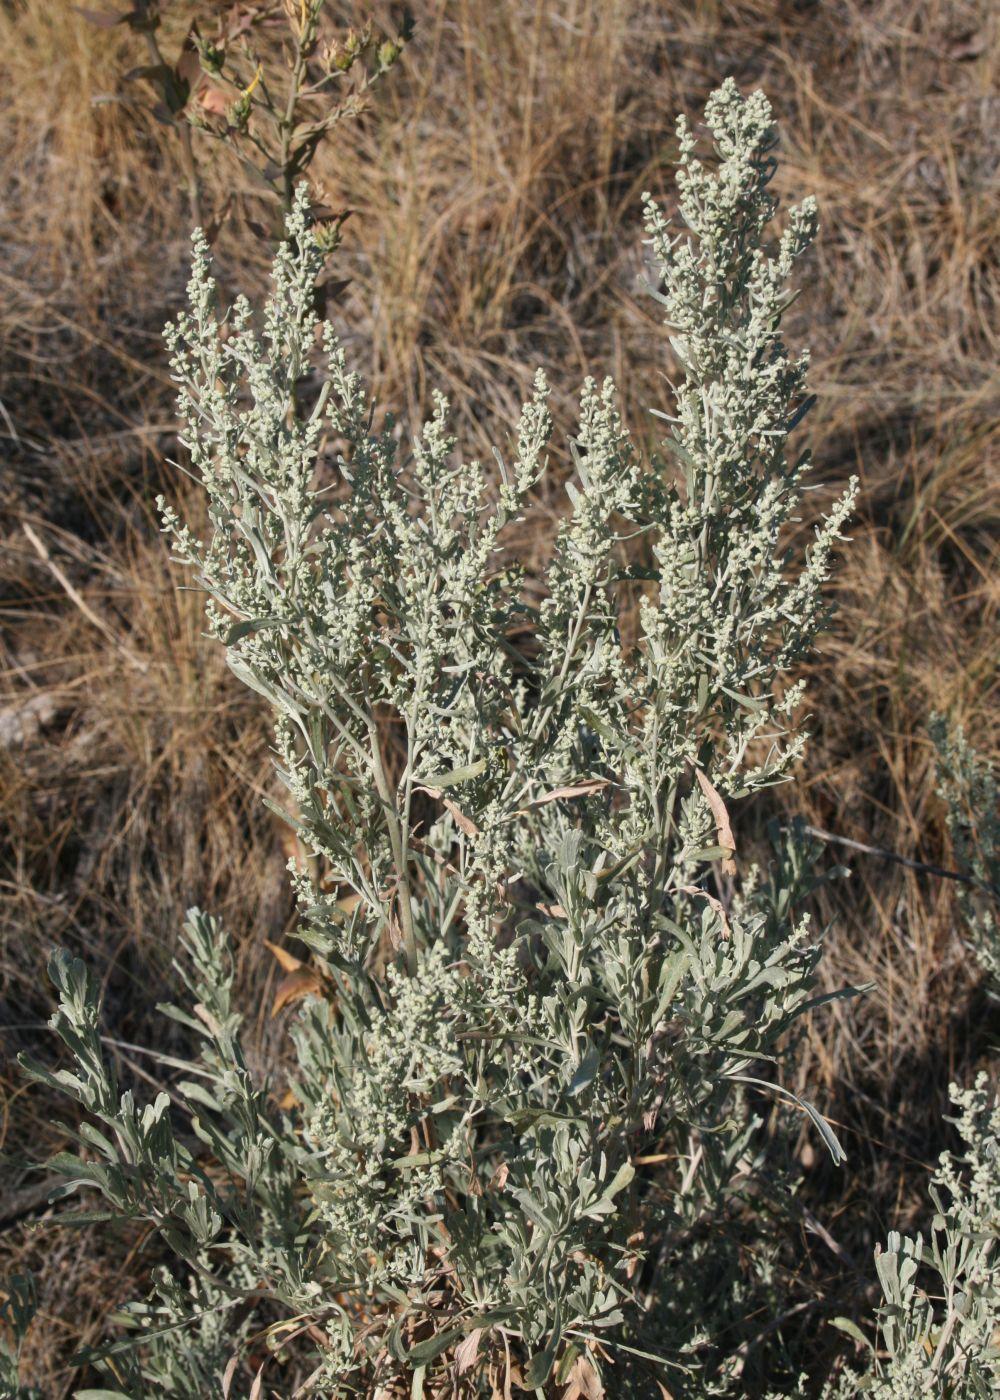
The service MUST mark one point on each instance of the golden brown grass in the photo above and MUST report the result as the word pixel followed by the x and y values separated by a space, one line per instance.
pixel 496 184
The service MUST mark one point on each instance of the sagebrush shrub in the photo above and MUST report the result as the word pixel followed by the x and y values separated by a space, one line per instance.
pixel 16 1314
pixel 521 1132
pixel 939 1320
pixel 968 785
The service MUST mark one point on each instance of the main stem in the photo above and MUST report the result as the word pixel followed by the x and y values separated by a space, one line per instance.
pixel 399 852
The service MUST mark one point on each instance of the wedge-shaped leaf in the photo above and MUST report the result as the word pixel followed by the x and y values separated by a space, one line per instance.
pixel 539 1368
pixel 585 1072
pixel 844 1324
pixel 623 1177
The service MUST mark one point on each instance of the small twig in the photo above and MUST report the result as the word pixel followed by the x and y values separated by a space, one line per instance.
pixel 817 1227
pixel 923 865
pixel 76 597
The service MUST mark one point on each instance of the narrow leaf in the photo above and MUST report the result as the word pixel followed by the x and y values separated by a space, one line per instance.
pixel 844 1324
pixel 572 790
pixel 437 781
pixel 248 626
pixel 434 1346
pixel 586 1072
pixel 724 830
pixel 288 961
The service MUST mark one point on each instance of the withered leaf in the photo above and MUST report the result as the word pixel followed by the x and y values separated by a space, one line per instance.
pixel 711 899
pixel 213 100
pixel 288 961
pixel 584 1382
pixel 467 1351
pixel 571 790
pixel 722 824
pixel 296 987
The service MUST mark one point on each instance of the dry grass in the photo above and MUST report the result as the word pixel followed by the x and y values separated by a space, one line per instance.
pixel 496 186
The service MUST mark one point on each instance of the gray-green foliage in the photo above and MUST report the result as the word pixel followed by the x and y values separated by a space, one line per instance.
pixel 939 1322
pixel 518 888
pixel 17 1312
pixel 968 785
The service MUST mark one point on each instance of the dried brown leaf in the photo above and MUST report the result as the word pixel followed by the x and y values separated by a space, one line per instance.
pixel 296 987
pixel 584 1382
pixel 715 903
pixel 571 790
pixel 723 827
pixel 289 962
pixel 189 60
pixel 467 1351
pixel 228 1374
pixel 213 100
pixel 463 822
